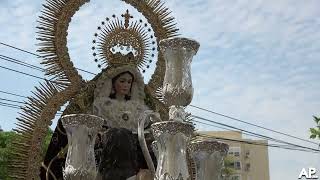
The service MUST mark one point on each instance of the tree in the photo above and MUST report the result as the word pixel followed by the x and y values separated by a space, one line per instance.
pixel 46 143
pixel 228 168
pixel 315 132
pixel 6 138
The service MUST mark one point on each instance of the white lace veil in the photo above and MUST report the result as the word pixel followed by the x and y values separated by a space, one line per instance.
pixel 104 83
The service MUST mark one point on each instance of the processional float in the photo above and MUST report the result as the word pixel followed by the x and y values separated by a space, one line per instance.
pixel 180 156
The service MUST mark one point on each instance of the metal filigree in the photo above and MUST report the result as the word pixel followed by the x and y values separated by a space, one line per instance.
pixel 167 176
pixel 209 146
pixel 172 128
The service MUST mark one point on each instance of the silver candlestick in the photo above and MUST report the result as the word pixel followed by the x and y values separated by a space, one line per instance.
pixel 177 88
pixel 208 157
pixel 81 131
pixel 171 138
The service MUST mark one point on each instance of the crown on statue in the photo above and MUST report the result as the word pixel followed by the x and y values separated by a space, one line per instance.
pixel 124 42
pixel 119 59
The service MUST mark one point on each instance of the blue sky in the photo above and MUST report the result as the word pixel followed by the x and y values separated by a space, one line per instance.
pixel 258 61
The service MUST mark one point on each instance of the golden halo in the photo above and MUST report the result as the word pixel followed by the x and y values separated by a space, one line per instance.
pixel 120 42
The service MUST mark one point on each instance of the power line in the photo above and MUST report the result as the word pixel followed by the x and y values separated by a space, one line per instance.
pixel 256 134
pixel 16 61
pixel 197 117
pixel 34 76
pixel 3 99
pixel 20 107
pixel 257 143
pixel 14 101
pixel 268 129
pixel 291 146
pixel 19 49
pixel 9 105
pixel 39 56
pixel 190 105
pixel 228 129
pixel 286 146
pixel 15 106
pixel 13 94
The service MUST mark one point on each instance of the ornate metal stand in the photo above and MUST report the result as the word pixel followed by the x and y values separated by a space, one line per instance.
pixel 81 131
pixel 172 138
pixel 208 156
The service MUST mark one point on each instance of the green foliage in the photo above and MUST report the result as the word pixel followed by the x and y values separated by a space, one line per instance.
pixel 6 139
pixel 6 150
pixel 46 143
pixel 228 168
pixel 315 132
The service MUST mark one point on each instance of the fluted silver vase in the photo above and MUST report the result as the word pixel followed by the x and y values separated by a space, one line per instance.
pixel 177 88
pixel 81 131
pixel 208 157
pixel 172 138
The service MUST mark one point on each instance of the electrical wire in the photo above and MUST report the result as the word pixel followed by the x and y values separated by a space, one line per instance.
pixel 40 56
pixel 268 129
pixel 271 145
pixel 9 105
pixel 19 49
pixel 20 107
pixel 16 61
pixel 256 134
pixel 211 137
pixel 222 126
pixel 16 106
pixel 283 146
pixel 13 94
pixel 27 74
pixel 3 99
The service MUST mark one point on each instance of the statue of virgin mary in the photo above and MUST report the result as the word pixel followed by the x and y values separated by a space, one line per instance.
pixel 117 95
pixel 119 99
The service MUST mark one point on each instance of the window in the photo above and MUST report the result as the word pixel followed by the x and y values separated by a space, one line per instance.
pixel 234 151
pixel 247 154
pixel 237 154
pixel 247 168
pixel 237 165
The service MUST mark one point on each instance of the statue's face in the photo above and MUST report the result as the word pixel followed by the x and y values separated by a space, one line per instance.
pixel 123 84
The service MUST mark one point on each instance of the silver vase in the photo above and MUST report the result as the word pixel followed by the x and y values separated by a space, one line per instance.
pixel 177 88
pixel 81 131
pixel 172 138
pixel 208 157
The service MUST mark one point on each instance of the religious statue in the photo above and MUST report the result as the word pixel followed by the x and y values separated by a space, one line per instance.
pixel 120 100
pixel 118 97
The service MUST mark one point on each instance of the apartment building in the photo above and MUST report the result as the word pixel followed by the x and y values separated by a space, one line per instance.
pixel 250 162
